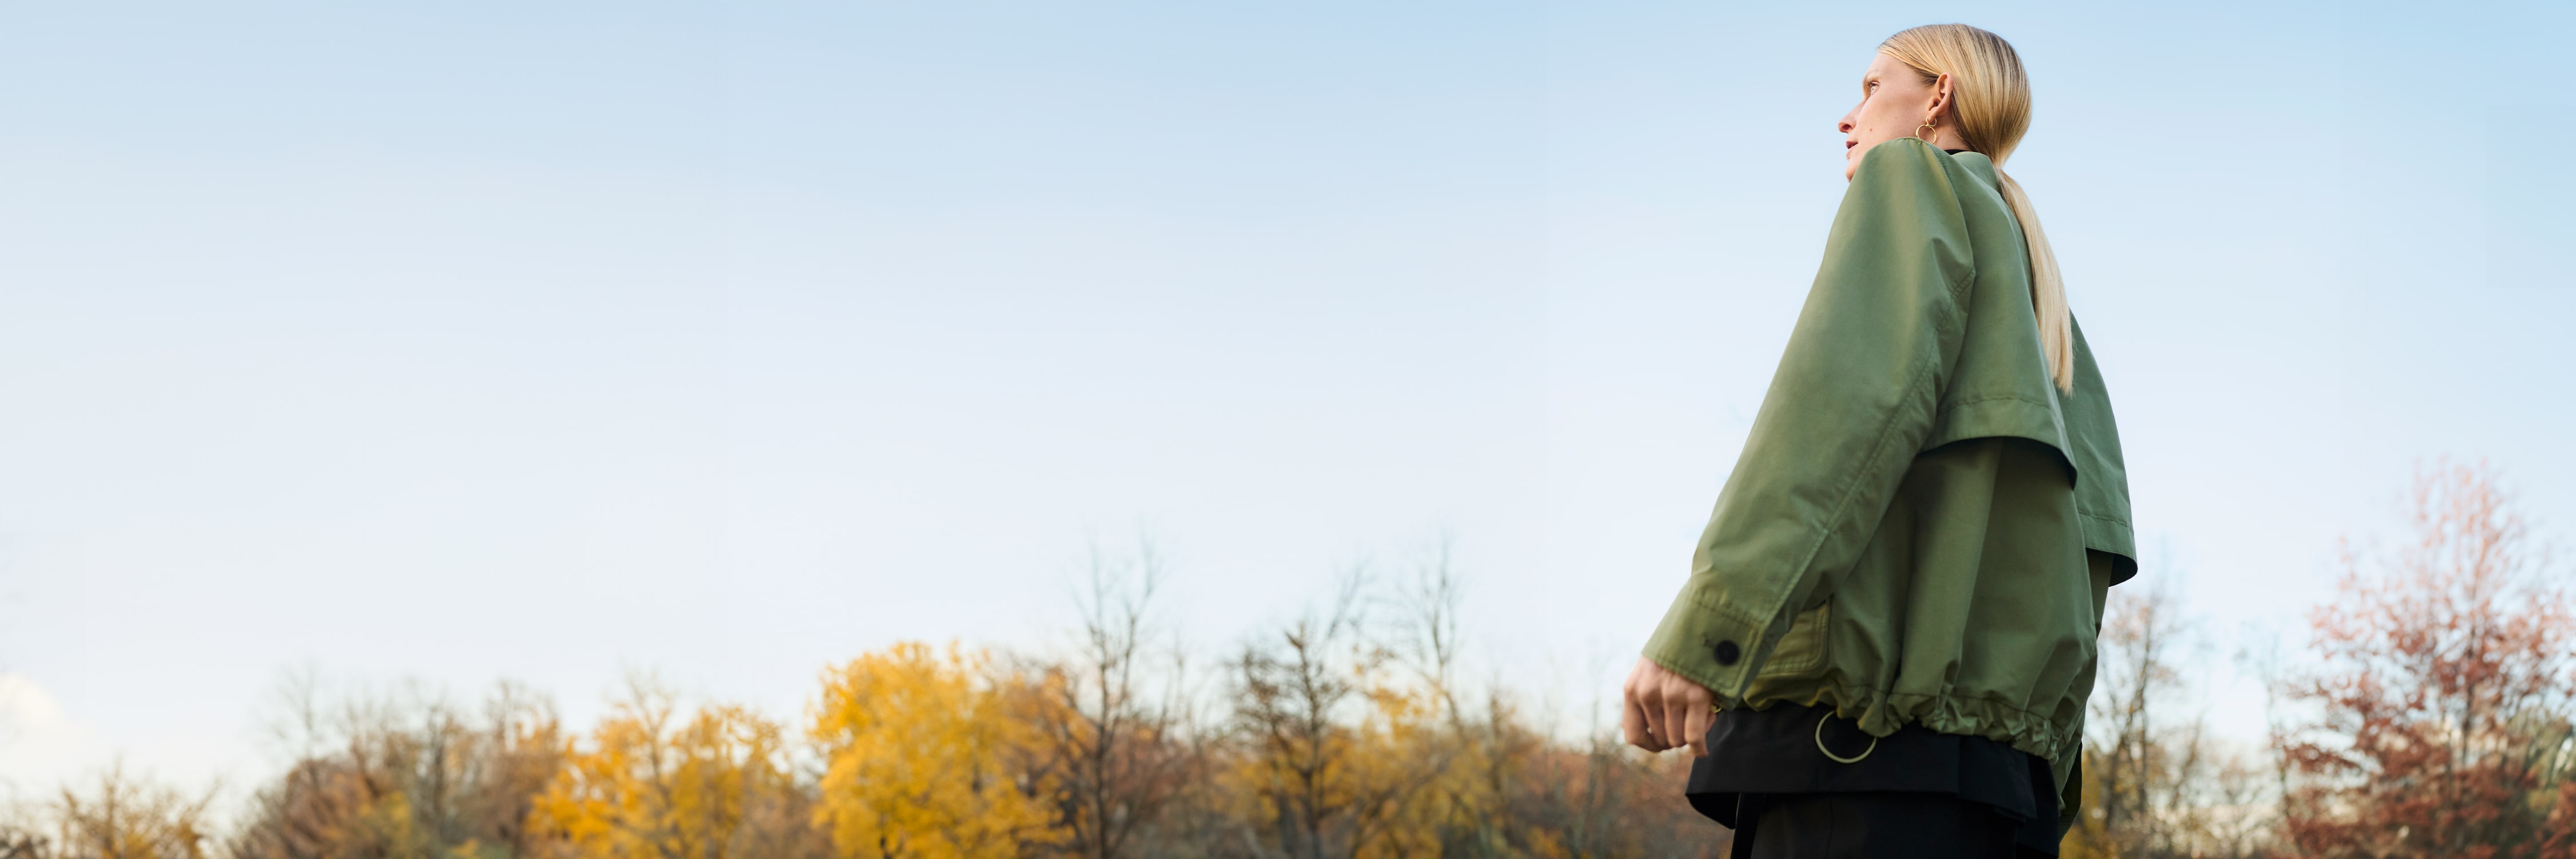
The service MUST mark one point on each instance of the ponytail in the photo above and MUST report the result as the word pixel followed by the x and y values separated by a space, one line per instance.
pixel 2047 290
pixel 1992 109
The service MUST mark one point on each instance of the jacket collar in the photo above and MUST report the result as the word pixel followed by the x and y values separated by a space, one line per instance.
pixel 1978 164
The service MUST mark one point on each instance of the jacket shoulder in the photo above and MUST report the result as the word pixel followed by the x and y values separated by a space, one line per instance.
pixel 1902 209
pixel 1903 162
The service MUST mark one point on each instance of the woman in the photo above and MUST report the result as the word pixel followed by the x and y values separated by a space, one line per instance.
pixel 1886 641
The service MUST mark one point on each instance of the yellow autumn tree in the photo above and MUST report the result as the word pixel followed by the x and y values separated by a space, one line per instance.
pixel 1403 775
pixel 125 818
pixel 928 757
pixel 1338 757
pixel 652 785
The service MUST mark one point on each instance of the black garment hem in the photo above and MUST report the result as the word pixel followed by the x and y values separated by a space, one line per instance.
pixel 1783 751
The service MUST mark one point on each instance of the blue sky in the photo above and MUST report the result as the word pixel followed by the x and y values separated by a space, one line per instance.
pixel 481 341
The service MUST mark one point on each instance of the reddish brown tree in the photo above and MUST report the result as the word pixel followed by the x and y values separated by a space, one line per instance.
pixel 1111 738
pixel 2442 696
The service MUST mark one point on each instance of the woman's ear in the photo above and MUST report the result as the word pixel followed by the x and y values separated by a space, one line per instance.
pixel 1941 95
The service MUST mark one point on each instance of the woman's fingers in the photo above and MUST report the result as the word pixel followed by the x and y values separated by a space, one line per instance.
pixel 1633 720
pixel 1701 716
pixel 1662 710
pixel 1677 715
pixel 1649 706
pixel 1643 719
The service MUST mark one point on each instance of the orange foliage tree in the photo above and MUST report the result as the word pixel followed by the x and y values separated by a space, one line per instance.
pixel 928 757
pixel 653 785
pixel 2443 695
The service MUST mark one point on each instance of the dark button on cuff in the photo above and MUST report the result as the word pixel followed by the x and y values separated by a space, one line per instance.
pixel 1727 652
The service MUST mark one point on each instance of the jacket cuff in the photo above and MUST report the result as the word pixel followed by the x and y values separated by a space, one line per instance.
pixel 1713 648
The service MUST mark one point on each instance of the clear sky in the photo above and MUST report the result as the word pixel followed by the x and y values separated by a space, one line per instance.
pixel 546 341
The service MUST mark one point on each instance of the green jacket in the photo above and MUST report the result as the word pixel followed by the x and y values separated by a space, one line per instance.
pixel 1921 527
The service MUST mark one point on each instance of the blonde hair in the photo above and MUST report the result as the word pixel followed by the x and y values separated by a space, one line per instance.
pixel 1990 109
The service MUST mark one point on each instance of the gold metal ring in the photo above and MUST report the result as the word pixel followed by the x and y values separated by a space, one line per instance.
pixel 1829 753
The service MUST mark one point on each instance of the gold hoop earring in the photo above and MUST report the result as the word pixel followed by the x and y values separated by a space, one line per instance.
pixel 1919 135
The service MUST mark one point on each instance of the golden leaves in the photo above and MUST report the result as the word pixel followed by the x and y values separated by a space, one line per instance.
pixel 925 752
pixel 651 784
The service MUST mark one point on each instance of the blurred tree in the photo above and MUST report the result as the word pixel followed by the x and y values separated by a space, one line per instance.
pixel 1608 800
pixel 1470 756
pixel 18 842
pixel 1107 729
pixel 382 777
pixel 122 818
pixel 1335 756
pixel 652 785
pixel 2138 763
pixel 926 758
pixel 2156 784
pixel 2443 697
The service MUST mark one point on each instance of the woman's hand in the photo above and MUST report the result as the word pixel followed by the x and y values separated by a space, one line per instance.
pixel 1666 710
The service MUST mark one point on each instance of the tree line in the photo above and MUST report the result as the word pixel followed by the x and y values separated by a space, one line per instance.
pixel 2432 719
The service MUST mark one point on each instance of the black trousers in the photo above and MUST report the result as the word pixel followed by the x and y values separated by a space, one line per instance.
pixel 1870 825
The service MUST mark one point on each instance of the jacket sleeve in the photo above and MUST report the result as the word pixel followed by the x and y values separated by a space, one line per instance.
pixel 1851 404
